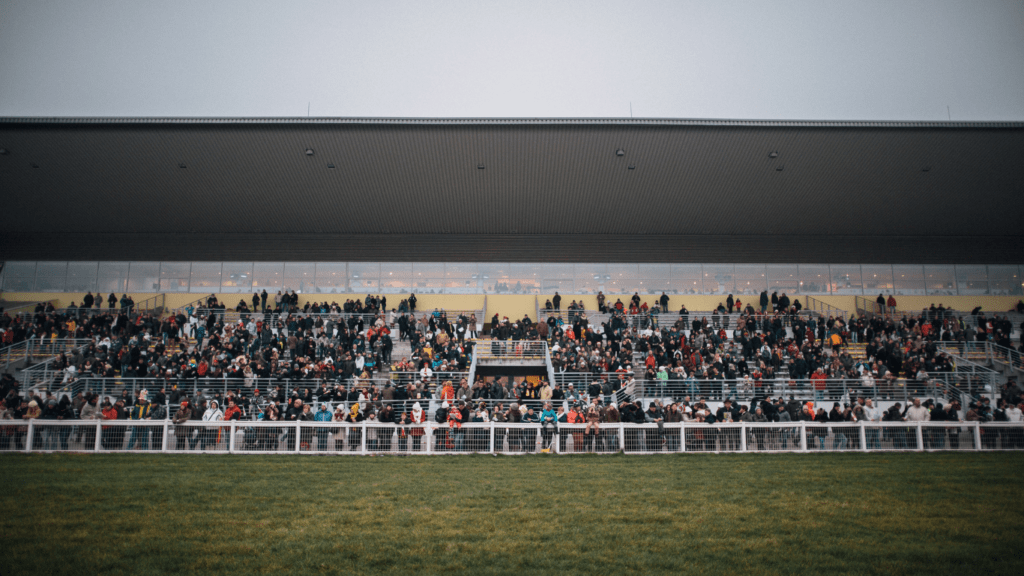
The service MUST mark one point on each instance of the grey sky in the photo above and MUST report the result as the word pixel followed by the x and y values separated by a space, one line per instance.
pixel 814 59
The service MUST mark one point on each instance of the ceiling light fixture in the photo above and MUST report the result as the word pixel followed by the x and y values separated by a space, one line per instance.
pixel 620 152
pixel 926 169
pixel 632 167
pixel 309 151
pixel 331 166
pixel 181 165
pixel 4 151
pixel 780 168
pixel 479 166
pixel 773 155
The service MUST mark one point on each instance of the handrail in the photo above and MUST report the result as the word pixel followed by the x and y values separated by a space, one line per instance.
pixel 428 437
pixel 825 310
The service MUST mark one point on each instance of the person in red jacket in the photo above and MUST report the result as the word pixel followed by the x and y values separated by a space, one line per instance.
pixel 891 304
pixel 818 379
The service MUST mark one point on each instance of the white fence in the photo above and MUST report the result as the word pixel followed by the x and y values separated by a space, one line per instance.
pixel 240 437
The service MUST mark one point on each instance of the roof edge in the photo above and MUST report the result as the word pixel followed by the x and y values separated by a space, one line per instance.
pixel 696 122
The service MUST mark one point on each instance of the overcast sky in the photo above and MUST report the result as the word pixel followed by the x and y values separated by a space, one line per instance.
pixel 813 59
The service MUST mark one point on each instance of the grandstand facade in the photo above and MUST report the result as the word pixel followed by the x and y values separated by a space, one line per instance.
pixel 642 264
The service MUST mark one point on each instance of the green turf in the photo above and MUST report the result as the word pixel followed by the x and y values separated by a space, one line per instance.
pixel 752 514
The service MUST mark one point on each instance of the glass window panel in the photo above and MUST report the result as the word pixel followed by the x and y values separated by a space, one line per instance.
pixel 655 271
pixel 551 285
pixel 300 276
pixel 1004 280
pixel 877 278
pixel 22 269
pixel 909 279
pixel 813 278
pixel 653 286
pixel 144 277
pixel 683 286
pixel 424 285
pixel 52 269
pixel 50 283
pixel 113 270
pixel 205 277
pixel 238 277
pixel 107 284
pixel 364 277
pixel 523 279
pixel 719 278
pixel 971 279
pixel 846 279
pixel 174 284
pixel 750 279
pixel 427 270
pixel 81 276
pixel 940 279
pixel 783 278
pixel 331 277
pixel 18 283
pixel 175 269
pixel 267 276
pixel 590 278
pixel 460 271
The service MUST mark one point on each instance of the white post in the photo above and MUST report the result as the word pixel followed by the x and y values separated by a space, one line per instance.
pixel 977 436
pixel 743 437
pixel 863 439
pixel 231 440
pixel 429 436
pixel 682 438
pixel 298 427
pixel 622 437
pixel 920 437
pixel 492 437
pixel 99 434
pixel 803 436
pixel 31 432
pixel 164 447
pixel 362 449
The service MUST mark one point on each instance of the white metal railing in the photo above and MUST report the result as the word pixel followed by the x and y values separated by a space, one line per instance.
pixel 511 350
pixel 368 437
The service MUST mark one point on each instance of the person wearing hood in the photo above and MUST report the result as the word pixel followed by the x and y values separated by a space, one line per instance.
pixel 209 435
pixel 181 432
pixel 455 425
pixel 322 415
pixel 355 437
pixel 548 424
pixel 417 416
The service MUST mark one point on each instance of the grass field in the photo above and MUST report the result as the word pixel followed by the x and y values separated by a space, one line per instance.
pixel 752 514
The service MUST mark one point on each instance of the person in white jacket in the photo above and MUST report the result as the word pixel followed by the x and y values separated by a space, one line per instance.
pixel 212 414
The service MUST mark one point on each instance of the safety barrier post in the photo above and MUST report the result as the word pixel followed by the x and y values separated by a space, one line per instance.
pixel 163 447
pixel 803 436
pixel 492 437
pixel 863 439
pixel 977 435
pixel 682 438
pixel 362 447
pixel 743 437
pixel 31 433
pixel 622 437
pixel 99 435
pixel 298 436
pixel 231 440
pixel 920 437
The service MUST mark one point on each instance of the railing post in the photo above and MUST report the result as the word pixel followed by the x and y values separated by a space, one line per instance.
pixel 803 436
pixel 622 437
pixel 298 436
pixel 231 439
pixel 743 437
pixel 99 436
pixel 682 438
pixel 163 447
pixel 977 435
pixel 920 437
pixel 428 436
pixel 31 433
pixel 492 437
pixel 362 448
pixel 863 439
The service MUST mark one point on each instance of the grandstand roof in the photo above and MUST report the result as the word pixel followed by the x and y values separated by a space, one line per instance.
pixel 548 190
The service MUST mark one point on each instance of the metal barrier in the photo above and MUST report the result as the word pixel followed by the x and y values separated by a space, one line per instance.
pixel 368 437
pixel 232 316
pixel 822 309
pixel 511 349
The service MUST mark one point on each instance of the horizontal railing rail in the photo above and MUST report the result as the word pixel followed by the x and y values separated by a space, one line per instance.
pixel 429 438
pixel 511 349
